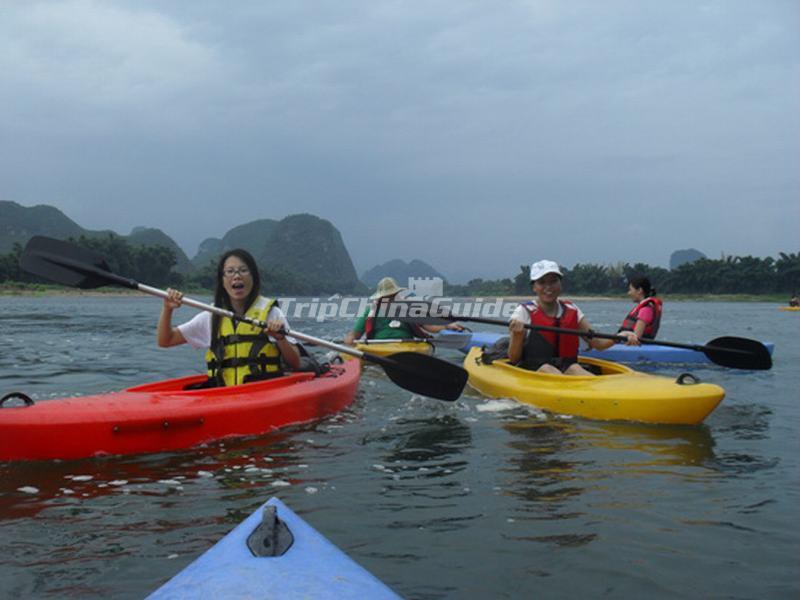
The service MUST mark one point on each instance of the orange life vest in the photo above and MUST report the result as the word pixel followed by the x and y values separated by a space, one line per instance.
pixel 651 329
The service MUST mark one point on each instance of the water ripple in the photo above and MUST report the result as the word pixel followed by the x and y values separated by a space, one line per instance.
pixel 429 496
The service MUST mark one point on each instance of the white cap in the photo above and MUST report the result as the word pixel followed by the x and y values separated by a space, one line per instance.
pixel 543 267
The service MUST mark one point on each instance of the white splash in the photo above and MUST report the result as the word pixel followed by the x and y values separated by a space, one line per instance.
pixel 497 405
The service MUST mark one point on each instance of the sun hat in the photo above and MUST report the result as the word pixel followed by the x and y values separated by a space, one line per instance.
pixel 386 287
pixel 543 267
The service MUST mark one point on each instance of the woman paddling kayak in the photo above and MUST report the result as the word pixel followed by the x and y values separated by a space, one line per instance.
pixel 237 352
pixel 643 319
pixel 545 351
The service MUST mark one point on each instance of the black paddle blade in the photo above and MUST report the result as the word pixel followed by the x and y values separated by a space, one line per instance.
pixel 423 374
pixel 738 353
pixel 63 263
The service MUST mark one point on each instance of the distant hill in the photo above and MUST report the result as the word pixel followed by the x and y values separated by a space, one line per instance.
pixel 251 237
pixel 303 253
pixel 400 270
pixel 146 236
pixel 680 257
pixel 209 249
pixel 312 248
pixel 20 223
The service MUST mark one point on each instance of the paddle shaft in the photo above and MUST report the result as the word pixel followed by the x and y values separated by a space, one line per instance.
pixel 135 285
pixel 255 322
pixel 595 334
pixel 83 268
pixel 415 372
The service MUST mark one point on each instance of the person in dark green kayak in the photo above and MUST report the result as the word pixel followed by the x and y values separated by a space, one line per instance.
pixel 371 325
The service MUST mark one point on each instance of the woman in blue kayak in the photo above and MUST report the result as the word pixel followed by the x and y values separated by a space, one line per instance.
pixel 547 351
pixel 236 352
pixel 372 325
pixel 644 319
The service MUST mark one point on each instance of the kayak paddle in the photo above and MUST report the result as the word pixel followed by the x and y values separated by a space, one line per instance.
pixel 70 265
pixel 727 351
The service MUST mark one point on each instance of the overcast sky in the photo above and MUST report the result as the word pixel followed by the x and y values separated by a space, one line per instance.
pixel 476 136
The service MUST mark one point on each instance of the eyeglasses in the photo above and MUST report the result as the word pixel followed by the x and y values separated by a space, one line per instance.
pixel 230 271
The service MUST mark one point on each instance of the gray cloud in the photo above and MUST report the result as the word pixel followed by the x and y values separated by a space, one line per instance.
pixel 477 136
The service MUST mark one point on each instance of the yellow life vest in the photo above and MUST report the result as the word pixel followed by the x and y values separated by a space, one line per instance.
pixel 242 352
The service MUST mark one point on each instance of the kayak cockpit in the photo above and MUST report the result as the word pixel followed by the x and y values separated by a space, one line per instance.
pixel 181 385
pixel 594 365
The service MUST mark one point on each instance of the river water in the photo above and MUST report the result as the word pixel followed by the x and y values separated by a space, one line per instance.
pixel 472 499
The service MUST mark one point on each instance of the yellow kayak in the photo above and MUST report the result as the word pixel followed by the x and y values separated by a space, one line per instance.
pixel 618 394
pixel 790 308
pixel 386 347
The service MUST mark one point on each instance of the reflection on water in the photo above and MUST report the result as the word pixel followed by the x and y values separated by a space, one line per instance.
pixel 541 472
pixel 742 463
pixel 238 464
pixel 422 459
pixel 427 441
pixel 648 446
pixel 746 422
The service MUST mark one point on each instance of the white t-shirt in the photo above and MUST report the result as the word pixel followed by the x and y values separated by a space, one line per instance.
pixel 521 313
pixel 197 330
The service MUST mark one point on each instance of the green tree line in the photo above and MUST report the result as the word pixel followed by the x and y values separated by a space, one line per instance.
pixel 148 264
pixel 728 275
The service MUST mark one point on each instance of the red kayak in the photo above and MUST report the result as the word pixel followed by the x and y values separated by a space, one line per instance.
pixel 162 416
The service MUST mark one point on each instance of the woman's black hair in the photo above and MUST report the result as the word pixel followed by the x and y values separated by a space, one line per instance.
pixel 221 298
pixel 640 282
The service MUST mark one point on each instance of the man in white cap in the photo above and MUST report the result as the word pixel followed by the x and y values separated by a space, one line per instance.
pixel 547 351
pixel 372 325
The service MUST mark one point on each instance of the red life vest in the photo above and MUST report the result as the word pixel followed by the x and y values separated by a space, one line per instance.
pixel 543 345
pixel 651 329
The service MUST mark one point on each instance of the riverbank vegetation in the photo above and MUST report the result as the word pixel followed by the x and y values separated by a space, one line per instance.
pixel 156 266
pixel 732 277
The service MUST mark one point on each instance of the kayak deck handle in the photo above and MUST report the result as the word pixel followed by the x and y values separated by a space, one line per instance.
pixel 687 379
pixel 24 397
pixel 272 537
